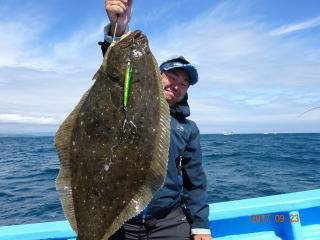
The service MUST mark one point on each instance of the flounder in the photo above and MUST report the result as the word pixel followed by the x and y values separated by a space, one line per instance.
pixel 113 159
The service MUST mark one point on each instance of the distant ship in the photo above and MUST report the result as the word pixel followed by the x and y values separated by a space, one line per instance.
pixel 274 133
pixel 228 133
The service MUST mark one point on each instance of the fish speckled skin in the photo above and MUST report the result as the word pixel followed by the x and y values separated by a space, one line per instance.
pixel 111 175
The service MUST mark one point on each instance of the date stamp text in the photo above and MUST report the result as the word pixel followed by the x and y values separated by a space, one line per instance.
pixel 276 218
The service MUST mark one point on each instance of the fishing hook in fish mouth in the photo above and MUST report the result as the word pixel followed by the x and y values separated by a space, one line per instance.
pixel 133 43
pixel 136 35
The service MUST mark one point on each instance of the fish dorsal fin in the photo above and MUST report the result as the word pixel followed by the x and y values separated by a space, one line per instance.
pixel 63 146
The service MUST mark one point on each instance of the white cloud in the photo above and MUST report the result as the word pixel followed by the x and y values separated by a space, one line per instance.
pixel 315 22
pixel 26 42
pixel 21 31
pixel 145 18
pixel 17 118
pixel 218 115
pixel 15 40
pixel 266 80
pixel 81 49
pixel 233 54
pixel 248 77
pixel 42 81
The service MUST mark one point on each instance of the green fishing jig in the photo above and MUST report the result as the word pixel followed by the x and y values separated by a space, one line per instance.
pixel 127 85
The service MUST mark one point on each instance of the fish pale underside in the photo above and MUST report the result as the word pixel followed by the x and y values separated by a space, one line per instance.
pixel 108 173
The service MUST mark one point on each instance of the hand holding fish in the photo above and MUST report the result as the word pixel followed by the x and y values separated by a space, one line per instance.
pixel 118 11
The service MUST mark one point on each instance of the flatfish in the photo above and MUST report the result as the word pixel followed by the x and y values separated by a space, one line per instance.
pixel 114 158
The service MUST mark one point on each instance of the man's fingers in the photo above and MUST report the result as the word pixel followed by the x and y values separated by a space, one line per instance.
pixel 123 1
pixel 118 8
pixel 119 11
pixel 202 237
pixel 117 3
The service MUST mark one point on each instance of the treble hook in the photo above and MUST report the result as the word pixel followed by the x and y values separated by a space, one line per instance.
pixel 128 126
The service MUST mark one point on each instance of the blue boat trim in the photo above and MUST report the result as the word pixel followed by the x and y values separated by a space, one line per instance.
pixel 48 230
pixel 292 216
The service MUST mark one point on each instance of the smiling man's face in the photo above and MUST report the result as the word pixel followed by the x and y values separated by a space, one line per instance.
pixel 175 83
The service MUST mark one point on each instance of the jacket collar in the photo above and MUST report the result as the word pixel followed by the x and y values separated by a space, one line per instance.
pixel 181 110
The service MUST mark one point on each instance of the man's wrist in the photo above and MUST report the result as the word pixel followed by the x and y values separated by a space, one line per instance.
pixel 108 37
pixel 120 29
pixel 200 231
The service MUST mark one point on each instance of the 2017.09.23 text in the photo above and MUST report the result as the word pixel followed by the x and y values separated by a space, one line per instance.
pixel 276 218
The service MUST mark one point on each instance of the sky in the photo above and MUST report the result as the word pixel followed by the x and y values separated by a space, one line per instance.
pixel 258 60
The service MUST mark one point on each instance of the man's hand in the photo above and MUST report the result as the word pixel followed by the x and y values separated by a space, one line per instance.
pixel 118 11
pixel 202 237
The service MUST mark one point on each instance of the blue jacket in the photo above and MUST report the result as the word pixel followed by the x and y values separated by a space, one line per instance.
pixel 185 182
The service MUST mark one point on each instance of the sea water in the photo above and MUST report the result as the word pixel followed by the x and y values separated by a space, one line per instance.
pixel 237 166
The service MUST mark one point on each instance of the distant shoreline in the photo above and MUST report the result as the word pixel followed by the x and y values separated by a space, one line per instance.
pixel 13 135
pixel 45 134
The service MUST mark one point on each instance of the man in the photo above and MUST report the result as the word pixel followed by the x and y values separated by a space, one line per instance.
pixel 181 202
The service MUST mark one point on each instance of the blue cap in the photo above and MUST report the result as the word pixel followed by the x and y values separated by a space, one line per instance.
pixel 181 62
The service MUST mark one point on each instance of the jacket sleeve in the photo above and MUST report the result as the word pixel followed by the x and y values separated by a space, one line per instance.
pixel 104 47
pixel 194 182
pixel 108 39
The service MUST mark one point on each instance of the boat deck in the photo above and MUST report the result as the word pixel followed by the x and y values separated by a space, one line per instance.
pixel 292 216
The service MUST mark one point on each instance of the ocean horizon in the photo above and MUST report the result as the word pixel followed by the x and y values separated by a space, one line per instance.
pixel 52 134
pixel 238 166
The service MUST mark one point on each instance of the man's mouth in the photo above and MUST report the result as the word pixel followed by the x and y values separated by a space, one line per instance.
pixel 170 91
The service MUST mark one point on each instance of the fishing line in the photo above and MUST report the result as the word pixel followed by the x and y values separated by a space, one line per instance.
pixel 309 110
pixel 115 29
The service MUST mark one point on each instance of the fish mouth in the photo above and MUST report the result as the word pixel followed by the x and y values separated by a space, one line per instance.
pixel 136 34
pixel 131 38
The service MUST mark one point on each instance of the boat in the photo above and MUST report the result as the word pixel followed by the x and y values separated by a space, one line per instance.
pixel 228 133
pixel 291 216
pixel 267 133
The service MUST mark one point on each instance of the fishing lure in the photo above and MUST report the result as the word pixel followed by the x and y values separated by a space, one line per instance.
pixel 128 125
pixel 127 85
